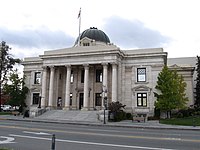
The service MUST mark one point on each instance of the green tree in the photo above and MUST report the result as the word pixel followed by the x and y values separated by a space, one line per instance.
pixel 197 95
pixel 6 64
pixel 16 90
pixel 171 91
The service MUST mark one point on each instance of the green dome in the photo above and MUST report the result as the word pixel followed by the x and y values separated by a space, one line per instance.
pixel 94 34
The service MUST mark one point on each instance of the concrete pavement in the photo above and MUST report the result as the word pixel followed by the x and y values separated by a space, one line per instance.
pixel 125 123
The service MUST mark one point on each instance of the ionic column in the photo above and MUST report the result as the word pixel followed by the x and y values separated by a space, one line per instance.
pixel 44 87
pixel 51 86
pixel 86 87
pixel 68 83
pixel 114 82
pixel 105 80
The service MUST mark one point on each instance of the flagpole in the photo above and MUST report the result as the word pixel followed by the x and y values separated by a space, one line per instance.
pixel 79 29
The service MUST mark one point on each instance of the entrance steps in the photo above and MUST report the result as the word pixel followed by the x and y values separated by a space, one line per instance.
pixel 71 115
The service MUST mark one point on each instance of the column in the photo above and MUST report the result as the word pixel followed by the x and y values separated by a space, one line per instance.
pixel 67 92
pixel 86 87
pixel 114 82
pixel 51 86
pixel 44 87
pixel 105 81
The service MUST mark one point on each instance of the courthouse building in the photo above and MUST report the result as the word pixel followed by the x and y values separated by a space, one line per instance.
pixel 79 77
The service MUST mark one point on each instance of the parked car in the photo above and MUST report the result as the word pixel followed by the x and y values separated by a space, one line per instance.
pixel 6 107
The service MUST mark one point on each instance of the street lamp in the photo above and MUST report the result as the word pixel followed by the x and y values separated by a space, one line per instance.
pixel 105 101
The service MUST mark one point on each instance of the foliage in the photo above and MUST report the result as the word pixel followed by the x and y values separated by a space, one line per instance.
pixel 116 108
pixel 7 61
pixel 16 90
pixel 197 95
pixel 171 88
pixel 6 64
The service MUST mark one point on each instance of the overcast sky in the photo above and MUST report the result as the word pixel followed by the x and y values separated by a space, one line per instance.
pixel 32 26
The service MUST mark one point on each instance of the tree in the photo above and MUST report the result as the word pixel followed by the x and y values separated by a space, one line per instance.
pixel 16 90
pixel 6 64
pixel 171 91
pixel 197 96
pixel 116 108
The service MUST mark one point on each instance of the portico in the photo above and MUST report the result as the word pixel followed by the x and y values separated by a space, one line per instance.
pixel 70 82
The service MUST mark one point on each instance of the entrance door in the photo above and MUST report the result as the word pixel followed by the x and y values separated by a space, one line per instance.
pixel 80 100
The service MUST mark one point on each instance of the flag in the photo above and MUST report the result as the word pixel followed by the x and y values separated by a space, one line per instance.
pixel 79 14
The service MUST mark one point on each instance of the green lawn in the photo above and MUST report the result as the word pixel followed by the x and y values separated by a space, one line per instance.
pixel 5 113
pixel 188 121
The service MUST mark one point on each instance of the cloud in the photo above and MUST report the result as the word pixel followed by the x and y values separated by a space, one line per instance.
pixel 41 37
pixel 133 34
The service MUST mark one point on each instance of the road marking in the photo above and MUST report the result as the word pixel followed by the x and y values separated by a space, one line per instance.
pixel 36 133
pixel 90 143
pixel 7 141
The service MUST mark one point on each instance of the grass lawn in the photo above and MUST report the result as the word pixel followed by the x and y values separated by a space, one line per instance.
pixel 5 113
pixel 188 121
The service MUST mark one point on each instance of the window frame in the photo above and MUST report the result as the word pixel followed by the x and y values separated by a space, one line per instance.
pixel 143 100
pixel 37 80
pixel 99 75
pixel 34 100
pixel 98 99
pixel 139 75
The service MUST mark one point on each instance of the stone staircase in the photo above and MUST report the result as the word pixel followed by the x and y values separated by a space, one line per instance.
pixel 72 115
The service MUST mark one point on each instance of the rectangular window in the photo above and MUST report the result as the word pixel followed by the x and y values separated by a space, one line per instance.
pixel 72 77
pixel 99 75
pixel 142 99
pixel 82 76
pixel 36 97
pixel 141 74
pixel 86 44
pixel 98 99
pixel 37 78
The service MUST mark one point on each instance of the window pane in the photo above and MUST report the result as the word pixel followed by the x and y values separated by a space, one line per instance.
pixel 99 75
pixel 144 102
pixel 139 102
pixel 98 99
pixel 141 74
pixel 36 98
pixel 37 78
pixel 72 77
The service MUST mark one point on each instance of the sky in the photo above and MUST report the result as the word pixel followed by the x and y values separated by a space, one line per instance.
pixel 31 27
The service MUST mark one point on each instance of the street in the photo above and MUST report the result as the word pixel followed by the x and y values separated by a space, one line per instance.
pixel 20 135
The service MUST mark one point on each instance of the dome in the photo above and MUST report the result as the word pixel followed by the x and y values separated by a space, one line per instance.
pixel 94 34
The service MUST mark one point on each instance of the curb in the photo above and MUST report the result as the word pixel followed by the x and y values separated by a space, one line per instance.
pixel 106 125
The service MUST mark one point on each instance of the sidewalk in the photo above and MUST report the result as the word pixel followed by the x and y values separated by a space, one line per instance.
pixel 125 123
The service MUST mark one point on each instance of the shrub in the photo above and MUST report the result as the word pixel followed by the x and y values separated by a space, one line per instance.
pixel 129 116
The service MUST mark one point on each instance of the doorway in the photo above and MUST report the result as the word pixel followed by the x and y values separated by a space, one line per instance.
pixel 80 101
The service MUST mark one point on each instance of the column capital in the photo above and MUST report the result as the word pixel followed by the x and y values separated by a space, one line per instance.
pixel 44 67
pixel 68 66
pixel 114 63
pixel 86 66
pixel 52 67
pixel 104 64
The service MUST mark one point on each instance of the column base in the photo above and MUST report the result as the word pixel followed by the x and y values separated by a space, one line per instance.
pixel 66 108
pixel 84 109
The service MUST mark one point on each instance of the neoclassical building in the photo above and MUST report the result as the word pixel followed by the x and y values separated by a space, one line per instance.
pixel 79 77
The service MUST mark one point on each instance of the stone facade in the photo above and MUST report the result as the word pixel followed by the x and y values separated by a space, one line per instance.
pixel 78 78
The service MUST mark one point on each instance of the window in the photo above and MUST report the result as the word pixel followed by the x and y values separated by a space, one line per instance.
pixel 86 44
pixel 99 75
pixel 36 97
pixel 142 99
pixel 72 77
pixel 37 78
pixel 82 76
pixel 141 74
pixel 98 99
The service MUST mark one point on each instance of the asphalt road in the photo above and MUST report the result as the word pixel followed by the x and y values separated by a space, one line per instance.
pixel 20 135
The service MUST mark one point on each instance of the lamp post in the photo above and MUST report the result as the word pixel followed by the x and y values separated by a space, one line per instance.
pixel 105 101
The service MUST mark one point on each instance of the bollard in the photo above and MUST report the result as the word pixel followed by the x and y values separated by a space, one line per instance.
pixel 53 144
